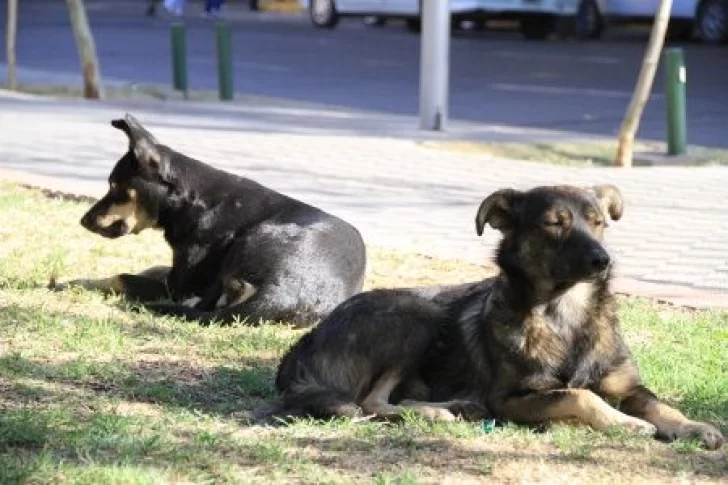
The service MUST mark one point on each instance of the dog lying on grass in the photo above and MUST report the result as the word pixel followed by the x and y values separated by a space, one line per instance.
pixel 240 250
pixel 540 342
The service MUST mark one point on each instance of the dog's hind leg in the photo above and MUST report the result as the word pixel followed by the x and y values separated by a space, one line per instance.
pixel 377 401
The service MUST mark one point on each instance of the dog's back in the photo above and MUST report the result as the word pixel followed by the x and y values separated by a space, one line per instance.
pixel 331 369
pixel 240 250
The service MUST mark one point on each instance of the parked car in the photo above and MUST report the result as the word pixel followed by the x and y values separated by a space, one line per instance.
pixel 586 19
pixel 709 18
pixel 536 22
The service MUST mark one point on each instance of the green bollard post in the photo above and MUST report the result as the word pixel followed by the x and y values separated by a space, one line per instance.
pixel 675 78
pixel 224 61
pixel 179 57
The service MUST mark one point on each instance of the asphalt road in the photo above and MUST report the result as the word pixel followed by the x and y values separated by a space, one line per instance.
pixel 496 77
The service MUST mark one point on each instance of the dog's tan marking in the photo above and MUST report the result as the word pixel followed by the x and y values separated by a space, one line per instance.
pixel 132 213
pixel 620 381
pixel 674 424
pixel 236 292
pixel 590 409
pixel 670 422
pixel 377 402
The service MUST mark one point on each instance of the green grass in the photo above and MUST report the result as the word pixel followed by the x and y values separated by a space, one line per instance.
pixel 91 392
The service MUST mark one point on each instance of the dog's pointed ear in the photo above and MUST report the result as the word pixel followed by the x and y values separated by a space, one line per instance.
pixel 141 143
pixel 610 199
pixel 497 210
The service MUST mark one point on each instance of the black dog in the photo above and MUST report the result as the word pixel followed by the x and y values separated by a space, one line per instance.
pixel 240 250
pixel 540 342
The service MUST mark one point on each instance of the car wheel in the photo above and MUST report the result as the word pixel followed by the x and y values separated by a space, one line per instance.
pixel 588 22
pixel 323 13
pixel 538 27
pixel 713 21
pixel 479 24
pixel 414 24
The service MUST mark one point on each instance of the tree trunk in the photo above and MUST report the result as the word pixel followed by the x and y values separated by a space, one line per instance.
pixel 644 85
pixel 92 87
pixel 10 34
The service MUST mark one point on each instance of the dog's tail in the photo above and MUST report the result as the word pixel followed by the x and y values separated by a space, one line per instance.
pixel 247 313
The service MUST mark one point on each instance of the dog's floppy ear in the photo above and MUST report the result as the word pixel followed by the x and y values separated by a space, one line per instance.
pixel 142 144
pixel 610 199
pixel 497 210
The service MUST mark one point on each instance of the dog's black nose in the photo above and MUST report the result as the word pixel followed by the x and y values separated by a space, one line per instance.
pixel 86 221
pixel 599 260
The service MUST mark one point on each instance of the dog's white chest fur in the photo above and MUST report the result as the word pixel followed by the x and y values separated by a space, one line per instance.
pixel 571 308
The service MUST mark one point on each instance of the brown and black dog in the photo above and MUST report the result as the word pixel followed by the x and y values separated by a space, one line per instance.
pixel 240 250
pixel 540 342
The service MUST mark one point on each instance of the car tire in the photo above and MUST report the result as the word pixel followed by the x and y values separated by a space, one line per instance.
pixel 414 25
pixel 538 27
pixel 324 14
pixel 588 21
pixel 712 20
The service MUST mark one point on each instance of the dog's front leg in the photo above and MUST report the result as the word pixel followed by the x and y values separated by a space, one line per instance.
pixel 624 385
pixel 567 405
pixel 148 285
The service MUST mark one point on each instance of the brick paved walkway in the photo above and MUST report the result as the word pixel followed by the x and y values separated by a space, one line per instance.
pixel 672 242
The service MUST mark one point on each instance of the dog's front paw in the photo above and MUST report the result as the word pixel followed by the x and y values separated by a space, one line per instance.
pixel 436 414
pixel 709 436
pixel 639 426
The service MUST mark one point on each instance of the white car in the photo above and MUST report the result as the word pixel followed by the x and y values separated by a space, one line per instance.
pixel 708 17
pixel 586 19
pixel 537 16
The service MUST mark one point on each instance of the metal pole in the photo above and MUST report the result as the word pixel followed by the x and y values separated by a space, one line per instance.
pixel 675 77
pixel 434 64
pixel 224 61
pixel 179 57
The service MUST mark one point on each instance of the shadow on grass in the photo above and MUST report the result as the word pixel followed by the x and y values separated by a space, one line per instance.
pixel 220 390
pixel 34 443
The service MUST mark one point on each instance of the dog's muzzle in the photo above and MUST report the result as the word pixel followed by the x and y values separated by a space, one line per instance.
pixel 116 229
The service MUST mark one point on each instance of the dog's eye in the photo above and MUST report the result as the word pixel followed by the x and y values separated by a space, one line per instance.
pixel 556 223
pixel 601 223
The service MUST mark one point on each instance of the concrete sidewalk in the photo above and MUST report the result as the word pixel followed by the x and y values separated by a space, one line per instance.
pixel 371 169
